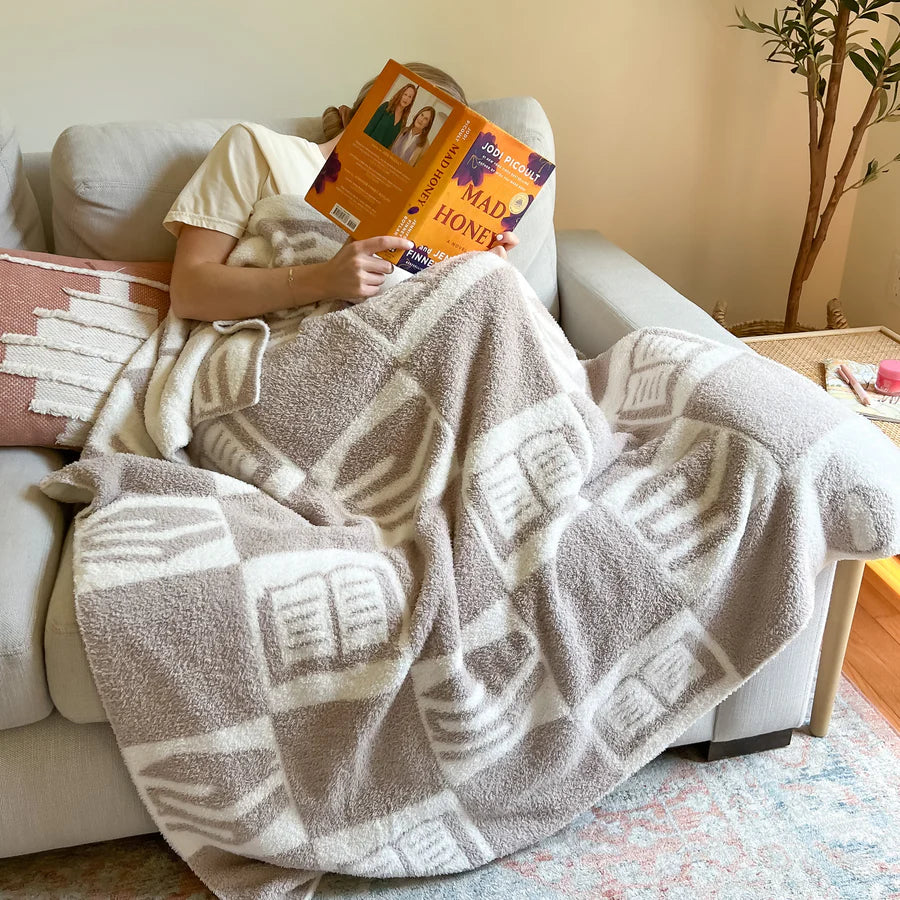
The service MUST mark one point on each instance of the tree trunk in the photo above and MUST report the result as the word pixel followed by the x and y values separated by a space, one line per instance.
pixel 800 272
pixel 792 312
pixel 819 146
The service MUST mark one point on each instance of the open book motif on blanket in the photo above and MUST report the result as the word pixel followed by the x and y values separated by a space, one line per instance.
pixel 441 584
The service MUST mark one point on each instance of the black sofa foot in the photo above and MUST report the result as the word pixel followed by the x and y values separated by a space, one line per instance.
pixel 771 741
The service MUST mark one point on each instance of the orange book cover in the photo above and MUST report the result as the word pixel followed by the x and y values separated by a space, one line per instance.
pixel 416 163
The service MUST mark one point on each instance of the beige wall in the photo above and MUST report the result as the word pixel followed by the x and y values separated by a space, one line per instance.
pixel 674 137
pixel 871 286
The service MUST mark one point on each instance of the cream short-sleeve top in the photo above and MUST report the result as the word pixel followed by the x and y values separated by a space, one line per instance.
pixel 249 162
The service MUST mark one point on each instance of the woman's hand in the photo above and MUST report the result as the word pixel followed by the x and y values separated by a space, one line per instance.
pixel 502 243
pixel 355 273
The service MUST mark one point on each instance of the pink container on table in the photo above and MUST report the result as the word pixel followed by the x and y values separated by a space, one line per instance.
pixel 888 378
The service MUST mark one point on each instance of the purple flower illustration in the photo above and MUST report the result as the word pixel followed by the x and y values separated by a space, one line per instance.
pixel 542 167
pixel 328 172
pixel 476 163
pixel 509 222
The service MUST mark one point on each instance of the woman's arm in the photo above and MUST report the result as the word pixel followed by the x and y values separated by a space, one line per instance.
pixel 204 288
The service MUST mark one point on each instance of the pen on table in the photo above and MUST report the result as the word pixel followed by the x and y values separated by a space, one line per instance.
pixel 847 376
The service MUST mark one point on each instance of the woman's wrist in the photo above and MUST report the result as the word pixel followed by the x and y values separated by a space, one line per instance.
pixel 306 284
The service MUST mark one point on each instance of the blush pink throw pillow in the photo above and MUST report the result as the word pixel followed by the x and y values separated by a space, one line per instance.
pixel 67 328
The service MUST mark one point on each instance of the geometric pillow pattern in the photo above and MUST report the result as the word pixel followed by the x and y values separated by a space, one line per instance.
pixel 67 328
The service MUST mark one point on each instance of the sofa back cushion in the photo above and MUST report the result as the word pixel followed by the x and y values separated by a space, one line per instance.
pixel 20 221
pixel 113 184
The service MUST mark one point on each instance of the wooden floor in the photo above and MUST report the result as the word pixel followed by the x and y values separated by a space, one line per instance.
pixel 872 662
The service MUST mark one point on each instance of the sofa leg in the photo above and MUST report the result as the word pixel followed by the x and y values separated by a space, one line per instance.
pixel 771 741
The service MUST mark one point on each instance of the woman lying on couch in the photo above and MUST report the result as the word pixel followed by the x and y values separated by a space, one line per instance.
pixel 400 588
pixel 211 214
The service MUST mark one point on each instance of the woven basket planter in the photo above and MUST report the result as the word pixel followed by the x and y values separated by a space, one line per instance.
pixel 757 327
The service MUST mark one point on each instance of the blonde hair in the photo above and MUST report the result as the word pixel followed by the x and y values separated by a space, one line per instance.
pixel 333 123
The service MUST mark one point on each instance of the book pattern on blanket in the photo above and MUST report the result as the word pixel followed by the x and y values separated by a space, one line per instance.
pixel 442 584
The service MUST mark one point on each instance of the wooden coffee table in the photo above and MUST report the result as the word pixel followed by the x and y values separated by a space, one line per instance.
pixel 803 352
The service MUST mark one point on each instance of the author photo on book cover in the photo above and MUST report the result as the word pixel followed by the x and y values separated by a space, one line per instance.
pixel 393 115
pixel 425 123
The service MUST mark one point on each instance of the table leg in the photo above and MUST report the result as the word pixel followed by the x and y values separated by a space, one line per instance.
pixel 847 579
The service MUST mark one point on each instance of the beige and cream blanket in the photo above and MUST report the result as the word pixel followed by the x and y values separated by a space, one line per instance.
pixel 399 588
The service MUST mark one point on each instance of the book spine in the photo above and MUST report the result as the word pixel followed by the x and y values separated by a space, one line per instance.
pixel 438 169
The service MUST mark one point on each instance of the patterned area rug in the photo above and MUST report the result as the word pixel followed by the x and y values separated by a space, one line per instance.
pixel 818 819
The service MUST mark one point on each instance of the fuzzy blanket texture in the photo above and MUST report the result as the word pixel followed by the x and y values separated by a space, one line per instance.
pixel 399 588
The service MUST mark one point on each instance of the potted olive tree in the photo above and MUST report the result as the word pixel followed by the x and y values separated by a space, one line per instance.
pixel 816 38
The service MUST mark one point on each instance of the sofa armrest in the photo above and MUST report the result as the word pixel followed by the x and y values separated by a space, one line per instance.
pixel 31 533
pixel 604 294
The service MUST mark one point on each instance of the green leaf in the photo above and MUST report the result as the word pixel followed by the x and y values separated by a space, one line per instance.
pixel 747 22
pixel 872 171
pixel 864 67
pixel 880 48
pixel 873 58
pixel 872 15
pixel 852 5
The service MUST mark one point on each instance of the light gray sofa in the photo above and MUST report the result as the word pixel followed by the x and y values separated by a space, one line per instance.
pixel 103 194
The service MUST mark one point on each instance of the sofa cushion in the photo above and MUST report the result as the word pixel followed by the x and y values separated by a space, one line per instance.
pixel 113 184
pixel 68 673
pixel 65 784
pixel 31 533
pixel 20 221
pixel 67 327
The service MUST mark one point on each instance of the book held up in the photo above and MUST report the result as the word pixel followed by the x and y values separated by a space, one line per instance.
pixel 417 163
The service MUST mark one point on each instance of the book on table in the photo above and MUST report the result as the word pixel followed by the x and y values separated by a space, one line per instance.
pixel 436 172
pixel 882 408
